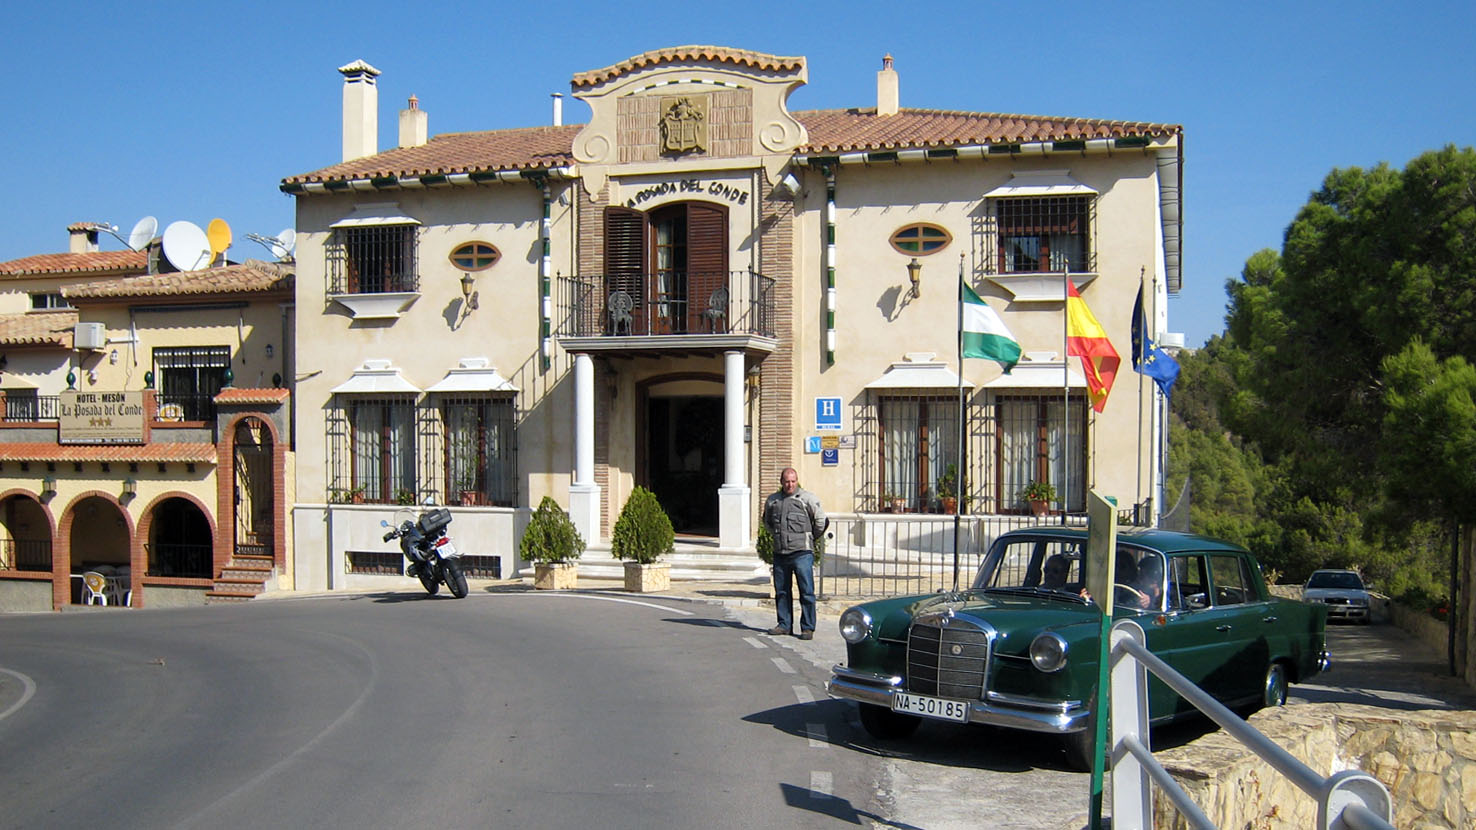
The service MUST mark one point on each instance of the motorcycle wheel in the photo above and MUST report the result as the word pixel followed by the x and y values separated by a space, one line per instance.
pixel 430 578
pixel 455 579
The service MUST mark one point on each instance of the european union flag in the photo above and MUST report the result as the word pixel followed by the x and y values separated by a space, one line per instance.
pixel 1148 359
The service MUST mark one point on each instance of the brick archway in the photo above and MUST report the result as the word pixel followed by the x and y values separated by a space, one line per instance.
pixel 226 494
pixel 61 546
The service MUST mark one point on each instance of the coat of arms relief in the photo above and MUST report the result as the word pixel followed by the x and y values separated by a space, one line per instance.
pixel 684 124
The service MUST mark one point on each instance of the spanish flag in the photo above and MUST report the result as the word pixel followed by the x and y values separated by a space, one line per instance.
pixel 1086 339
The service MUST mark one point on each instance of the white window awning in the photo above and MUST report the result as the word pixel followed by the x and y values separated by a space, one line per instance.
pixel 375 377
pixel 474 374
pixel 918 371
pixel 372 214
pixel 1039 370
pixel 1040 183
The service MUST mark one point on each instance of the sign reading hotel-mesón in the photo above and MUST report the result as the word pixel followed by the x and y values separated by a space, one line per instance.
pixel 100 418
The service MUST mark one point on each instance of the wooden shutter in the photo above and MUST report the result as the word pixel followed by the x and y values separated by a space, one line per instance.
pixel 625 260
pixel 707 258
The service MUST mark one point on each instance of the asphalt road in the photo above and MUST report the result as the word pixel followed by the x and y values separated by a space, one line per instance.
pixel 398 710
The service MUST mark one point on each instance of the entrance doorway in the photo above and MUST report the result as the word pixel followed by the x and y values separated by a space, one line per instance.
pixel 684 451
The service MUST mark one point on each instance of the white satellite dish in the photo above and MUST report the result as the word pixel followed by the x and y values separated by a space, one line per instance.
pixel 287 239
pixel 143 233
pixel 186 246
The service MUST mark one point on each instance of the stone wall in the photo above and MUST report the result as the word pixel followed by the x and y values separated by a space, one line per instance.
pixel 1426 759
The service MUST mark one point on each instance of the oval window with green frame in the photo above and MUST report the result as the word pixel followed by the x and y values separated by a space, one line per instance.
pixel 475 256
pixel 921 239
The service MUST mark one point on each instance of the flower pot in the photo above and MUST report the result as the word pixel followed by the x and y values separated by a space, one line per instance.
pixel 555 576
pixel 471 498
pixel 645 579
pixel 899 505
pixel 1040 507
pixel 950 505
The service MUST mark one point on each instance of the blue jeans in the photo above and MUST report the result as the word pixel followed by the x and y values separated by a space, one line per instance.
pixel 800 565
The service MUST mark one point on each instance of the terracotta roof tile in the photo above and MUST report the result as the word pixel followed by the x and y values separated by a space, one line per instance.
pixel 233 395
pixel 96 261
pixel 250 277
pixel 689 54
pixel 51 328
pixel 526 148
pixel 155 452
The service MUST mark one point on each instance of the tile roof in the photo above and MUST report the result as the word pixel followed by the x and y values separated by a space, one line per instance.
pixel 688 54
pixel 250 277
pixel 233 395
pixel 50 328
pixel 831 131
pixel 95 261
pixel 161 452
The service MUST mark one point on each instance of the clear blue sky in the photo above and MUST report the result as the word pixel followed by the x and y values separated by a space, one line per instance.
pixel 198 110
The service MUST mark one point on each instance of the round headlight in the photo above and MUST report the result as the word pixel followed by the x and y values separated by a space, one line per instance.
pixel 855 625
pixel 1048 652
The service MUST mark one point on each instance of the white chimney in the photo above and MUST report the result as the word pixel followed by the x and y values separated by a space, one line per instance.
pixel 558 109
pixel 886 88
pixel 413 124
pixel 360 110
pixel 83 238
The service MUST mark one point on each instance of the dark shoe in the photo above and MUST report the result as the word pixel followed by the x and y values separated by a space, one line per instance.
pixel 778 631
pixel 807 635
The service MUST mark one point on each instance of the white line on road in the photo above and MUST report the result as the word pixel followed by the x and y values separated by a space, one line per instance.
pixel 821 784
pixel 755 642
pixel 30 689
pixel 803 694
pixel 783 665
pixel 819 738
pixel 552 594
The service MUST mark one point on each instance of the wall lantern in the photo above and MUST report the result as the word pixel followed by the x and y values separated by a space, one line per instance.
pixel 269 351
pixel 468 282
pixel 48 484
pixel 130 487
pixel 914 276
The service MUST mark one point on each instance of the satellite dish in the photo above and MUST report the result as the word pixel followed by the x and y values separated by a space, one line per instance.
pixel 143 233
pixel 288 240
pixel 219 235
pixel 186 246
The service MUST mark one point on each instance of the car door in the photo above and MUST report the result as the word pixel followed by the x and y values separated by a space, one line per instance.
pixel 1195 636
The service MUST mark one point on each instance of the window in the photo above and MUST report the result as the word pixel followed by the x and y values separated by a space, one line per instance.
pixel 480 453
pixel 1231 582
pixel 191 377
pixel 1044 234
pixel 382 435
pixel 373 259
pixel 919 439
pixel 22 405
pixel 921 239
pixel 1186 583
pixel 475 256
pixel 1036 443
pixel 45 302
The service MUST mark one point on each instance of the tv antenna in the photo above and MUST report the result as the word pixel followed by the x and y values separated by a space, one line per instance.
pixel 280 245
pixel 139 238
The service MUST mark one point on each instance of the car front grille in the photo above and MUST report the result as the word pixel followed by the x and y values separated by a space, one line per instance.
pixel 949 658
pixel 1335 600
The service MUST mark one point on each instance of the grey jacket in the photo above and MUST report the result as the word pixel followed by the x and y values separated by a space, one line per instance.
pixel 796 521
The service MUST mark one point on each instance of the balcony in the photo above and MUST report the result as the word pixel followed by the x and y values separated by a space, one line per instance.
pixel 677 310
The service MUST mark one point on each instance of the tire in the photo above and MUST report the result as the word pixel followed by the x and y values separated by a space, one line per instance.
pixel 1078 747
pixel 455 579
pixel 885 724
pixel 1274 686
pixel 428 578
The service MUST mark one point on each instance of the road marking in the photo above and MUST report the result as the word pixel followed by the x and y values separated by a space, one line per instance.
pixel 755 642
pixel 819 738
pixel 552 594
pixel 783 665
pixel 26 683
pixel 803 694
pixel 821 784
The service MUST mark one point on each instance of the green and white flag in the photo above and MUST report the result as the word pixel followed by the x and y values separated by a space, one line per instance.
pixel 984 334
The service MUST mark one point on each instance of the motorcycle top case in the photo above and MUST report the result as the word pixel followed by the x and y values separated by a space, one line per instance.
pixel 432 522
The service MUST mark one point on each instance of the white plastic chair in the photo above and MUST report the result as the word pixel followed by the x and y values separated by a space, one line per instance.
pixel 94 588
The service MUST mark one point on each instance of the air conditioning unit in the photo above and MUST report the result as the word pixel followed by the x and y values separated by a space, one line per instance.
pixel 90 336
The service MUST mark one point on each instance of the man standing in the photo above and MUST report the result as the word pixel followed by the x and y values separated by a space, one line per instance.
pixel 796 520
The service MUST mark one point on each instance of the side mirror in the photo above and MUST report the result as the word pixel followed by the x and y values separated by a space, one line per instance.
pixel 383 523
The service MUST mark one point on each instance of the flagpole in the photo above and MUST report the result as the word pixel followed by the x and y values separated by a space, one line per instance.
pixel 958 477
pixel 1140 349
pixel 1066 392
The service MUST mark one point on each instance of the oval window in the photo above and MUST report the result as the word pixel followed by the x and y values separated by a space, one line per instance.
pixel 475 256
pixel 921 239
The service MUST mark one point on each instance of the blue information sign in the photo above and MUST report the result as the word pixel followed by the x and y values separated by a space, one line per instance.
pixel 812 444
pixel 828 414
pixel 829 458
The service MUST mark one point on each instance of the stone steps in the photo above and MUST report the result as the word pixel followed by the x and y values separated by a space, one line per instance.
pixel 246 576
pixel 693 560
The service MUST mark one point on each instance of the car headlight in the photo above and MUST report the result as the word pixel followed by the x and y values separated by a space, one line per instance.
pixel 855 625
pixel 1048 652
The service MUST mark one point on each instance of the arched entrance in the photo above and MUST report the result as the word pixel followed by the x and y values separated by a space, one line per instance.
pixel 25 535
pixel 180 541
pixel 99 540
pixel 683 452
pixel 253 493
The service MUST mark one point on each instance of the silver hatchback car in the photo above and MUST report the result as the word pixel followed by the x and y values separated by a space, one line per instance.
pixel 1342 592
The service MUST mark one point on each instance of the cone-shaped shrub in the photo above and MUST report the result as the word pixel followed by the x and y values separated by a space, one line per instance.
pixel 551 535
pixel 643 532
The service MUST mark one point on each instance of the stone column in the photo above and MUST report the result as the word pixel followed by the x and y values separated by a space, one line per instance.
pixel 733 496
pixel 584 493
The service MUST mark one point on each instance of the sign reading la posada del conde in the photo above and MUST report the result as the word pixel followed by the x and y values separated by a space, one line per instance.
pixel 100 418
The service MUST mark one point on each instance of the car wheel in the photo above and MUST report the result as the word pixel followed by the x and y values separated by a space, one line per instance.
pixel 1079 750
pixel 885 724
pixel 1273 692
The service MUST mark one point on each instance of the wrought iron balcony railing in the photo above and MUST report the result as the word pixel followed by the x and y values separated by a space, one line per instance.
pixel 672 303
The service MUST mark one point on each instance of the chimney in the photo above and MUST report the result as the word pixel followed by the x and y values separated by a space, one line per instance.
pixel 886 88
pixel 558 99
pixel 360 110
pixel 413 124
pixel 83 238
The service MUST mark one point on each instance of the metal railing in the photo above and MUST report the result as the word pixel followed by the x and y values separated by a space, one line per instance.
pixel 23 555
pixel 31 407
pixel 194 406
pixel 678 303
pixel 180 560
pixel 1350 799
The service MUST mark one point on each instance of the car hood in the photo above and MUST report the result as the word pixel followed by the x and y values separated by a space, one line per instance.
pixel 1016 617
pixel 1335 593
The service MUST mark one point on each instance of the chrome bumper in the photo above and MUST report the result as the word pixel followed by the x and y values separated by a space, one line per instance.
pixel 1009 711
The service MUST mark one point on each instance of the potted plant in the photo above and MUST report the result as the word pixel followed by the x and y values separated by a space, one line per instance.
pixel 552 543
pixel 1040 494
pixel 642 535
pixel 894 503
pixel 404 497
pixel 948 489
pixel 346 495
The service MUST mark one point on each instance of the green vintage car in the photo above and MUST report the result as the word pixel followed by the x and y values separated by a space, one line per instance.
pixel 1019 648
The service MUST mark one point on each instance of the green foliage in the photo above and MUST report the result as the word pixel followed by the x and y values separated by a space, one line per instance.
pixel 343 495
pixel 643 531
pixel 948 482
pixel 764 544
pixel 1039 491
pixel 551 535
pixel 403 496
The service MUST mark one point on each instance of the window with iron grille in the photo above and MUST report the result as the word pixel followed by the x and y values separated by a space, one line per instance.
pixel 918 439
pixel 373 259
pixel 190 377
pixel 480 450
pixel 1051 234
pixel 1037 442
pixel 380 448
pixel 43 302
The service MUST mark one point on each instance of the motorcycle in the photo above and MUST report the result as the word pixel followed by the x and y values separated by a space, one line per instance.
pixel 424 541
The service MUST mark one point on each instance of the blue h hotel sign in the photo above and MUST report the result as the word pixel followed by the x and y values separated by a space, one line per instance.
pixel 827 414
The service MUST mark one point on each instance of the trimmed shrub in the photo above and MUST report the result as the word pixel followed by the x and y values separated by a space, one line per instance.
pixel 551 535
pixel 643 531
pixel 764 544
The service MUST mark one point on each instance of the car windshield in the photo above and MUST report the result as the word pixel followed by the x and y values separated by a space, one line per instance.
pixel 1055 566
pixel 1335 579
